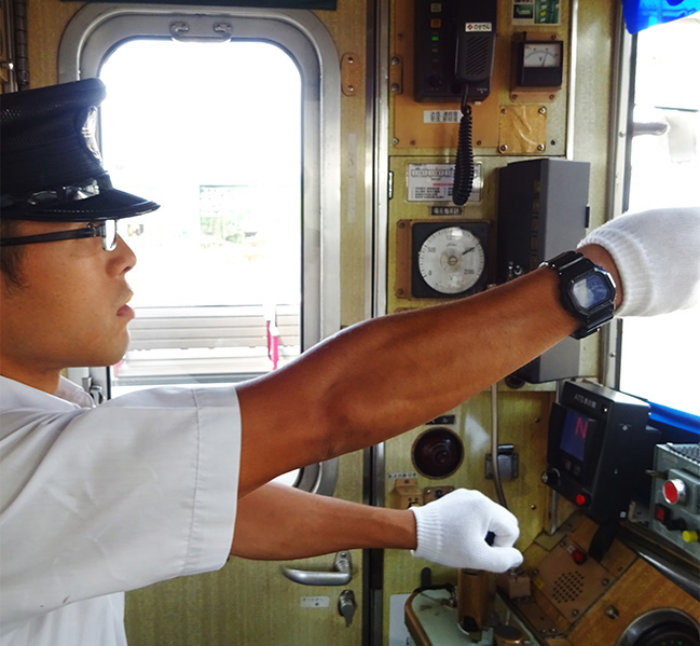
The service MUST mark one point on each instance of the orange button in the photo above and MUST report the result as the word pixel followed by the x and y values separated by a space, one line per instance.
pixel 435 23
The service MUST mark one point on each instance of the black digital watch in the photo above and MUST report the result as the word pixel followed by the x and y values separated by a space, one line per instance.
pixel 586 290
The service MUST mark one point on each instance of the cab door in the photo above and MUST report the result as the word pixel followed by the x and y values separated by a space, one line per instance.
pixel 231 121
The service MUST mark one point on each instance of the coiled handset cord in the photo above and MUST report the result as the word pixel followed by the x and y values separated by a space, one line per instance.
pixel 464 165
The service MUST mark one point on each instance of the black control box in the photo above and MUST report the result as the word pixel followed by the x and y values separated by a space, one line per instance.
pixel 542 211
pixel 599 447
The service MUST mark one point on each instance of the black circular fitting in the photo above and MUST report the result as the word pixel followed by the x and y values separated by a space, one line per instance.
pixel 438 452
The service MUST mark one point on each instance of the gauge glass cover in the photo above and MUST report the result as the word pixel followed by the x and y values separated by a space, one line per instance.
pixel 451 260
pixel 542 55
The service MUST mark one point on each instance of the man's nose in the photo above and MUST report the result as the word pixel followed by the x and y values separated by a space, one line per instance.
pixel 124 254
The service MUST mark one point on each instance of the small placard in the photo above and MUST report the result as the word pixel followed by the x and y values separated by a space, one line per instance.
pixel 315 602
pixel 441 116
pixel 434 182
pixel 401 475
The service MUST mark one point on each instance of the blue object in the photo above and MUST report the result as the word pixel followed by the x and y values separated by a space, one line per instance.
pixel 640 14
pixel 675 419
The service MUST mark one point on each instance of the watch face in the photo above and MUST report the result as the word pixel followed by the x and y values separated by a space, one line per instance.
pixel 590 291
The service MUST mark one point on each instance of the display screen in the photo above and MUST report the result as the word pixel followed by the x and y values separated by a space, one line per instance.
pixel 577 428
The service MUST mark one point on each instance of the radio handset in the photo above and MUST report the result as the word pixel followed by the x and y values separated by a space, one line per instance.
pixel 473 68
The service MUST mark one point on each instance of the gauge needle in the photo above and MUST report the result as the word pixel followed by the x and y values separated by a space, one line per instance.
pixel 466 251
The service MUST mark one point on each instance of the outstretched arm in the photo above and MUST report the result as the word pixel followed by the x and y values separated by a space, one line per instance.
pixel 277 522
pixel 384 376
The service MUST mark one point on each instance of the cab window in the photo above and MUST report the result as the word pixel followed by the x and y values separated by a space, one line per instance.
pixel 660 355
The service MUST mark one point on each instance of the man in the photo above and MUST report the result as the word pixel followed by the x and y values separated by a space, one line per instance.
pixel 145 487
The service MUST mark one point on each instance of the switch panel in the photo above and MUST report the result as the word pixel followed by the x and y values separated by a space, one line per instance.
pixel 675 497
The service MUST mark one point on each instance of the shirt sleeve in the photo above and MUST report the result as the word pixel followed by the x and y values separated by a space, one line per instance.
pixel 140 489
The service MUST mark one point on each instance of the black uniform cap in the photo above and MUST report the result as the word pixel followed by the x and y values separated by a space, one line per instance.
pixel 49 160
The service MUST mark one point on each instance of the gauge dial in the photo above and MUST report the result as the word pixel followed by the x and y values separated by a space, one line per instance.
pixel 451 260
pixel 539 63
pixel 542 54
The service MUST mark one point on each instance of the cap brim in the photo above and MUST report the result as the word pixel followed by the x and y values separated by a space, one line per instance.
pixel 110 204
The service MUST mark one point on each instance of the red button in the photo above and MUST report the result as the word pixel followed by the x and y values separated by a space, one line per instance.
pixel 674 491
pixel 579 557
pixel 581 499
pixel 661 513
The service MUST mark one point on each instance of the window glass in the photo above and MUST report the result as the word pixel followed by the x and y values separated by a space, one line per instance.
pixel 660 355
pixel 212 132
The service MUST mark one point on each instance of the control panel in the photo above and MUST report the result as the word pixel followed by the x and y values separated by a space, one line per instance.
pixel 675 498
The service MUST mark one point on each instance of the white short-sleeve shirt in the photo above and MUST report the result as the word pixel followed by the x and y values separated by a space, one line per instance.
pixel 98 500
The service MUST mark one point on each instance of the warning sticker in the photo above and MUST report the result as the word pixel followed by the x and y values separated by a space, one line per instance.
pixel 433 183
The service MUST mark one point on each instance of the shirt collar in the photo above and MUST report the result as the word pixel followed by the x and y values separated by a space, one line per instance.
pixel 69 396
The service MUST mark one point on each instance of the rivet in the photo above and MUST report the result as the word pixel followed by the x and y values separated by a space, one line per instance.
pixel 612 612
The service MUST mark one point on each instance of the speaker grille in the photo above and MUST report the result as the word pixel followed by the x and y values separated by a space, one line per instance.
pixel 568 587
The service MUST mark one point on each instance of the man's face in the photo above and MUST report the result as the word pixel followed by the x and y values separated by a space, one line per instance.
pixel 71 308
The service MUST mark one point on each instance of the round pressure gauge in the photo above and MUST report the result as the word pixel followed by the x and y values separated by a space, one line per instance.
pixel 449 260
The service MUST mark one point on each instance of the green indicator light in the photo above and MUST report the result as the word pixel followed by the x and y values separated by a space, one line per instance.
pixel 435 38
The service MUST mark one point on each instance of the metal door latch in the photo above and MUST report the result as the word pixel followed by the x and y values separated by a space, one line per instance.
pixel 347 606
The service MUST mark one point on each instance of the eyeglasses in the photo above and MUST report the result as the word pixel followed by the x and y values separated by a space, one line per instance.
pixel 105 229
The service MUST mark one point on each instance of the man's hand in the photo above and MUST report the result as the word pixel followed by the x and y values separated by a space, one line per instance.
pixel 657 257
pixel 452 531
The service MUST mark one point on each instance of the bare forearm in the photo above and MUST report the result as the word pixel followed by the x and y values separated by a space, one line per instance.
pixel 278 522
pixel 387 375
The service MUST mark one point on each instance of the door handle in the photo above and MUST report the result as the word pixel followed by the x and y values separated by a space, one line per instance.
pixel 339 575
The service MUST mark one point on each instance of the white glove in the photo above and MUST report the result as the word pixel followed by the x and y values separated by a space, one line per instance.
pixel 452 531
pixel 657 253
